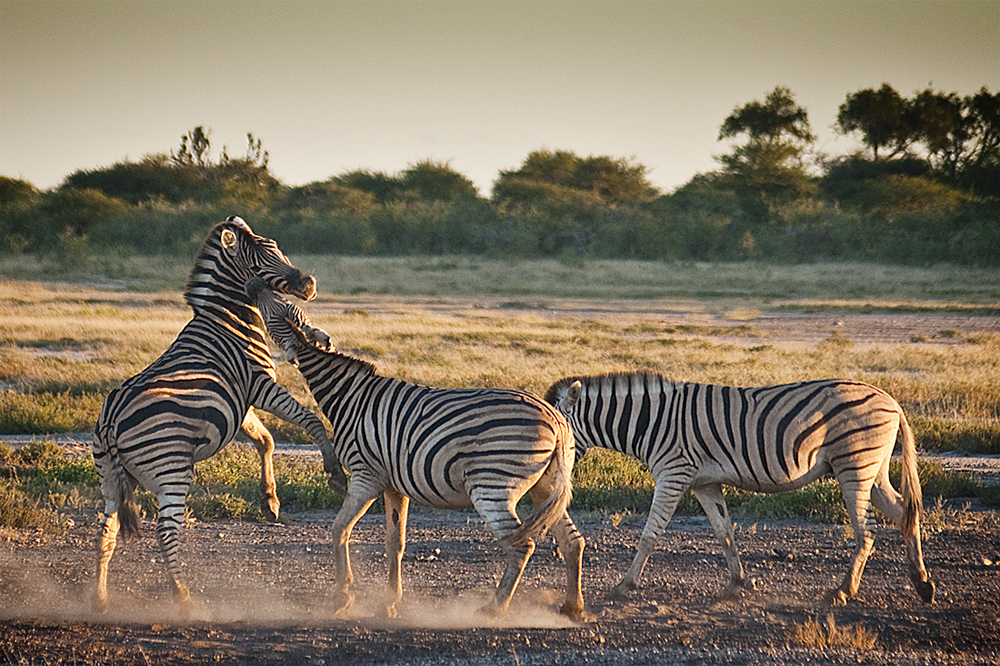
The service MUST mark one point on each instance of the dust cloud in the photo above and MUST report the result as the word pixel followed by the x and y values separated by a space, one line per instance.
pixel 62 591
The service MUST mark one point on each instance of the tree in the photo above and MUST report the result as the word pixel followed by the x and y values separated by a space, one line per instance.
pixel 883 117
pixel 960 135
pixel 194 148
pixel 980 172
pixel 771 121
pixel 437 181
pixel 380 185
pixel 561 176
pixel 771 164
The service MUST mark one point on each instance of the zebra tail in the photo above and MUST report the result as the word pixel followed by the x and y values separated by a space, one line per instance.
pixel 913 500
pixel 122 486
pixel 546 514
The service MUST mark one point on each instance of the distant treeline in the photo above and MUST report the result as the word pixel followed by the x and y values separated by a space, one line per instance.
pixel 924 187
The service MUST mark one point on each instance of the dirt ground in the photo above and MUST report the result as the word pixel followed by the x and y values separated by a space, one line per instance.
pixel 263 591
pixel 263 596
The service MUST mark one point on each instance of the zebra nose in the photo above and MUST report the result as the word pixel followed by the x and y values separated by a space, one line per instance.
pixel 307 288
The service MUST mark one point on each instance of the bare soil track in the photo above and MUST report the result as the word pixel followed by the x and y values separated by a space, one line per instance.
pixel 263 597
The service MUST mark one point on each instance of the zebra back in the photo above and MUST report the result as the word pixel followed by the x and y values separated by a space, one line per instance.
pixel 758 438
pixel 423 441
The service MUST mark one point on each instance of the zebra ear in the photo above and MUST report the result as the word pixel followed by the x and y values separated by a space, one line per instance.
pixel 572 394
pixel 228 239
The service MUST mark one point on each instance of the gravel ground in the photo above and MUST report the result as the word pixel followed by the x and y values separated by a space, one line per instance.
pixel 262 591
pixel 263 596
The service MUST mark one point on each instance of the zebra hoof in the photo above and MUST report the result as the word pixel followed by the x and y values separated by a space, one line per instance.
pixel 99 604
pixel 925 589
pixel 578 615
pixel 732 593
pixel 620 591
pixel 491 611
pixel 270 509
pixel 344 604
pixel 836 597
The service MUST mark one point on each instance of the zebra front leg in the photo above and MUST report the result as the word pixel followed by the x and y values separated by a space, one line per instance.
pixel 396 508
pixel 359 497
pixel 167 536
pixel 264 443
pixel 714 503
pixel 276 400
pixel 109 537
pixel 666 495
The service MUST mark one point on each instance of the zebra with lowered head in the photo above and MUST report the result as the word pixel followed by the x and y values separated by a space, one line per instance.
pixel 189 403
pixel 443 448
pixel 765 439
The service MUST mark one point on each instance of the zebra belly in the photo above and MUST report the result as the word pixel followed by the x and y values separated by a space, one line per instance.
pixel 760 481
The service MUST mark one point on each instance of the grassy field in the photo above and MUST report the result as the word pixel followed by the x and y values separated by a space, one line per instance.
pixel 456 321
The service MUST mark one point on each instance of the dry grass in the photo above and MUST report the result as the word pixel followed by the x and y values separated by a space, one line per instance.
pixel 77 341
pixel 827 634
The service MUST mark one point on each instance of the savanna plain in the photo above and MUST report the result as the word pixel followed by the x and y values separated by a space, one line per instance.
pixel 929 336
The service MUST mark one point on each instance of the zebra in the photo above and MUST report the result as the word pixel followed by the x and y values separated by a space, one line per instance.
pixel 764 439
pixel 187 405
pixel 443 448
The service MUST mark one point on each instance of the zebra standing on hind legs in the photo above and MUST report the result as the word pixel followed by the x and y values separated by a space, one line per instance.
pixel 766 439
pixel 190 402
pixel 444 448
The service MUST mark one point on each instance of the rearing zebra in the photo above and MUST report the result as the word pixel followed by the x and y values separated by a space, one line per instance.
pixel 765 439
pixel 190 402
pixel 449 449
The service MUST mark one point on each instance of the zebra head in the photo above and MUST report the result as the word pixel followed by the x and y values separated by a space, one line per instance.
pixel 258 256
pixel 565 395
pixel 286 323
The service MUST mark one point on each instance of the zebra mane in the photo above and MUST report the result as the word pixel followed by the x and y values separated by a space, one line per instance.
pixel 362 366
pixel 591 382
pixel 284 321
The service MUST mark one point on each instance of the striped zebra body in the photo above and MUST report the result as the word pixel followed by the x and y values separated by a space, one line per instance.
pixel 484 448
pixel 764 439
pixel 189 403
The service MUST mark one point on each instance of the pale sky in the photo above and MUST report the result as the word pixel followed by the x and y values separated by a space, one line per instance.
pixel 335 86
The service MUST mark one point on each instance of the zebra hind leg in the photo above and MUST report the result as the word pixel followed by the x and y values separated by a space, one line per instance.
pixel 264 443
pixel 396 509
pixel 714 503
pixel 889 502
pixel 109 537
pixel 516 556
pixel 500 515
pixel 859 508
pixel 571 544
pixel 167 536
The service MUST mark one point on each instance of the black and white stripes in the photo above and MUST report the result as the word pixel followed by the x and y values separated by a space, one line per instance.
pixel 191 401
pixel 765 439
pixel 484 448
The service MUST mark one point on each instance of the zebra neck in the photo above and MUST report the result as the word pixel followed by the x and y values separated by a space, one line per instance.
pixel 215 290
pixel 334 378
